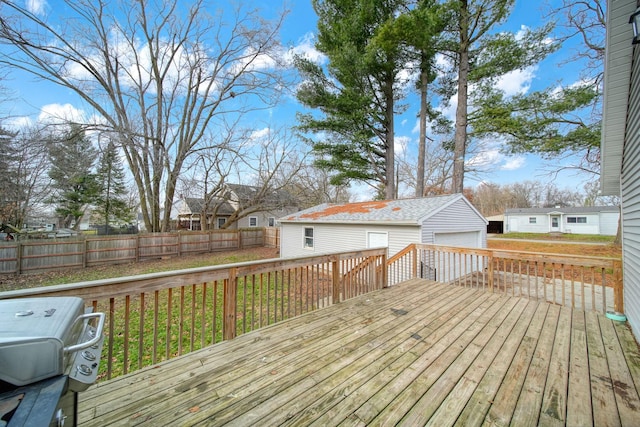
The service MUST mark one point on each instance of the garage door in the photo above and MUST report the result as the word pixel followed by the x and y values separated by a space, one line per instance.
pixel 468 239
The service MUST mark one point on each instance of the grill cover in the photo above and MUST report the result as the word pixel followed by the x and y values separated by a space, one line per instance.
pixel 33 335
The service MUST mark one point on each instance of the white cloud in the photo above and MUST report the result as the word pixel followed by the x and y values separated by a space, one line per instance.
pixel 260 134
pixel 306 48
pixel 513 163
pixel 517 82
pixel 61 113
pixel 400 144
pixel 37 7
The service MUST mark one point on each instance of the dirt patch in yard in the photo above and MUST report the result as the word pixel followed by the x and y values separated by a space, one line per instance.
pixel 587 249
pixel 13 281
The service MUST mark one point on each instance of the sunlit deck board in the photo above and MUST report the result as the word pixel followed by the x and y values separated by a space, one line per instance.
pixel 414 354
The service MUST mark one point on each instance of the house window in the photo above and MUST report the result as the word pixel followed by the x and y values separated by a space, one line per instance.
pixel 253 221
pixel 272 221
pixel 221 222
pixel 532 220
pixel 576 219
pixel 308 237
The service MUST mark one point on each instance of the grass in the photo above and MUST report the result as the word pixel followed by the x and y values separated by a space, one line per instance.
pixel 587 238
pixel 12 281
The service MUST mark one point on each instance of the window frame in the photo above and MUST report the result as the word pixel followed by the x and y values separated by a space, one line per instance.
pixel 306 238
pixel 576 220
pixel 220 224
pixel 533 220
pixel 253 219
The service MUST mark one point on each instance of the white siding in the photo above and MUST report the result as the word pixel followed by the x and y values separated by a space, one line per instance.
pixel 630 183
pixel 458 217
pixel 343 237
pixel 521 224
pixel 609 223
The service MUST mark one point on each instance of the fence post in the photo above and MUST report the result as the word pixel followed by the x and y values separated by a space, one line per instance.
pixel 335 278
pixel 618 289
pixel 19 247
pixel 85 253
pixel 229 304
pixel 138 247
pixel 239 234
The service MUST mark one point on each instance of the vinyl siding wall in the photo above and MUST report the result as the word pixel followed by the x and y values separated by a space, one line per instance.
pixel 458 217
pixel 609 223
pixel 342 237
pixel 604 223
pixel 630 184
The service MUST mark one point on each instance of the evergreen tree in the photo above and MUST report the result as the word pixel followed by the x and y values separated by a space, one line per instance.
pixel 357 94
pixel 111 204
pixel 479 55
pixel 72 156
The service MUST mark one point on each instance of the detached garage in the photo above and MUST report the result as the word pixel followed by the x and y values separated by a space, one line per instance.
pixel 444 220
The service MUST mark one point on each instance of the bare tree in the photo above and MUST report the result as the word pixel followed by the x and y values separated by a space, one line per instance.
pixel 249 170
pixel 437 169
pixel 157 74
pixel 30 166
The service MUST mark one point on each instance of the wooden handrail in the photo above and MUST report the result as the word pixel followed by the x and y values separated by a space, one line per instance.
pixel 153 317
pixel 580 281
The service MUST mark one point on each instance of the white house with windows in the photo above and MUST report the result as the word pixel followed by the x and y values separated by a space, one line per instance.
pixel 448 220
pixel 602 220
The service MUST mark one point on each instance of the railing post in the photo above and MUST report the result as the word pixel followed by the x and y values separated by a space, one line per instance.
pixel 618 289
pixel 230 305
pixel 414 254
pixel 385 276
pixel 335 278
pixel 490 272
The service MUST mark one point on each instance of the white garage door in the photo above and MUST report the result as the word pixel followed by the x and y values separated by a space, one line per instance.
pixel 468 239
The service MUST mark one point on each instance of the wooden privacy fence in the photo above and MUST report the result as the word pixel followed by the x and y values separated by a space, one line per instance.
pixel 46 255
pixel 588 283
pixel 154 317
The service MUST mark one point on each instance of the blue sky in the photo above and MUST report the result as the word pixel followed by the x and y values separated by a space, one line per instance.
pixel 34 100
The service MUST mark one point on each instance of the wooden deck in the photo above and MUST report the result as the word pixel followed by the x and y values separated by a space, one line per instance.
pixel 419 353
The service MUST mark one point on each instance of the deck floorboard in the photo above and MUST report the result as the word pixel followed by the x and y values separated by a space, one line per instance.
pixel 420 353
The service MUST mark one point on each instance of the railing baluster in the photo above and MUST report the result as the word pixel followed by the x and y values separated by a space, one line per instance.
pixel 203 318
pixel 154 351
pixel 141 332
pixel 127 313
pixel 167 350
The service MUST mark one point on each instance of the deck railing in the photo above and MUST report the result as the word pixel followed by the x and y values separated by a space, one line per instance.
pixel 588 283
pixel 154 317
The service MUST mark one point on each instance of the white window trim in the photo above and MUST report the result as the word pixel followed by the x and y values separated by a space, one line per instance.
pixel 304 239
pixel 253 218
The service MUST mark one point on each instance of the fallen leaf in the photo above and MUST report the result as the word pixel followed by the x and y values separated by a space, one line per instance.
pixel 194 409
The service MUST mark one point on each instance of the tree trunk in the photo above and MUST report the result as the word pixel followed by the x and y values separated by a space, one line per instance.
pixel 390 188
pixel 461 110
pixel 422 141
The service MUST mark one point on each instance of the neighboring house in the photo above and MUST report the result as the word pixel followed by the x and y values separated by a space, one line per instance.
pixel 620 146
pixel 446 220
pixel 243 205
pixel 601 220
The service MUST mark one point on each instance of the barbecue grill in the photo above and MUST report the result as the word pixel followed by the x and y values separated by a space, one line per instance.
pixel 50 350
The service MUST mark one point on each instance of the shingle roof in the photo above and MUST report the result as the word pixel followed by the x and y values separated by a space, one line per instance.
pixel 407 211
pixel 568 210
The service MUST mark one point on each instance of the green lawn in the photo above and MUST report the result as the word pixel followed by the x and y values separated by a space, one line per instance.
pixel 556 237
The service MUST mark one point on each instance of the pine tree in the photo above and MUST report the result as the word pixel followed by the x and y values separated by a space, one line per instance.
pixel 72 156
pixel 110 203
